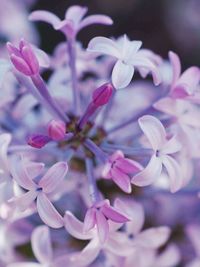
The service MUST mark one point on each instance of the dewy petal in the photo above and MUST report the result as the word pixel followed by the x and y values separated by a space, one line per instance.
pixel 153 237
pixel 42 15
pixel 21 176
pixel 174 173
pixel 53 177
pixel 104 46
pixel 149 174
pixel 153 130
pixel 176 66
pixel 95 19
pixel 41 244
pixel 102 226
pixel 47 212
pixel 75 13
pixel 121 179
pixel 75 227
pixel 114 215
pixel 90 219
pixel 172 146
pixel 122 75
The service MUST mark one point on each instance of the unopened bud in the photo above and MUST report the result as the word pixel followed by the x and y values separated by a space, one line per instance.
pixel 38 140
pixel 102 95
pixel 57 130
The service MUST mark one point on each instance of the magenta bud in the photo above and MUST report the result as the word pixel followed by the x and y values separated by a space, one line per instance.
pixel 23 58
pixel 57 130
pixel 102 95
pixel 38 140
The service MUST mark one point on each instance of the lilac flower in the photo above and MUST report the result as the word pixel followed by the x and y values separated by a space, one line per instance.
pixel 74 20
pixel 98 215
pixel 162 151
pixel 25 175
pixel 128 58
pixel 23 58
pixel 118 168
pixel 185 85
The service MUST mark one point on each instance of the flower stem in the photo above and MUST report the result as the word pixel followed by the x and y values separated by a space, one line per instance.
pixel 72 63
pixel 94 194
pixel 102 156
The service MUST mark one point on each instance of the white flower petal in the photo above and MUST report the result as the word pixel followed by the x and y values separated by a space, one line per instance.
pixel 122 74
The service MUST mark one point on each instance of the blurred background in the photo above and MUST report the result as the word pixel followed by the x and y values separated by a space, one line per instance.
pixel 162 25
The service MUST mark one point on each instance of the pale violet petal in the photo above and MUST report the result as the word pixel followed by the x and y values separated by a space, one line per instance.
pixel 41 244
pixel 153 130
pixel 46 16
pixel 47 212
pixel 122 75
pixel 176 66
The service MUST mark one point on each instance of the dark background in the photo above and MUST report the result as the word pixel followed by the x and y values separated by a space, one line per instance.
pixel 162 25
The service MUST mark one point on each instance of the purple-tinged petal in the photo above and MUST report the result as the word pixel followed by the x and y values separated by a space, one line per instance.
pixel 176 66
pixel 170 257
pixel 122 75
pixel 75 13
pixel 174 173
pixel 146 65
pixel 21 176
pixel 121 179
pixel 128 165
pixel 41 244
pixel 149 175
pixel 21 65
pixel 75 227
pixel 102 226
pixel 47 212
pixel 53 177
pixel 153 237
pixel 153 130
pixel 34 168
pixel 42 57
pixel 45 16
pixel 104 46
pixel 106 172
pixel 24 201
pixel 172 146
pixel 167 105
pixel 38 140
pixel 134 211
pixel 95 19
pixel 57 130
pixel 89 220
pixel 30 58
pixel 113 214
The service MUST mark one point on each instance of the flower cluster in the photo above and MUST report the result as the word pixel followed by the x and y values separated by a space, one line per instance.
pixel 89 155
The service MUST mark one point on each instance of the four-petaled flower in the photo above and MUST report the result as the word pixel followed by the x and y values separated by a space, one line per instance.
pixel 162 151
pixel 99 214
pixel 26 175
pixel 129 56
pixel 118 168
pixel 74 20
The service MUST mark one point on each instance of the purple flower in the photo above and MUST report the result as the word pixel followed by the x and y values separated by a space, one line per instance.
pixel 118 168
pixel 25 175
pixel 23 58
pixel 98 215
pixel 163 149
pixel 128 55
pixel 74 20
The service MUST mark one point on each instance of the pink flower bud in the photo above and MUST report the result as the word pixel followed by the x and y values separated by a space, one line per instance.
pixel 38 140
pixel 57 130
pixel 23 58
pixel 102 95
